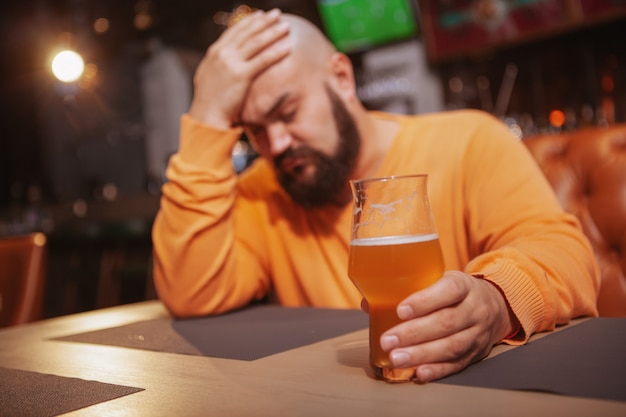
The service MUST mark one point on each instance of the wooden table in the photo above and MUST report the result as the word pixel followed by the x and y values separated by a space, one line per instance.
pixel 328 378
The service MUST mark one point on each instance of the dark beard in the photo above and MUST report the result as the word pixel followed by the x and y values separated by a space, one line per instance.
pixel 331 171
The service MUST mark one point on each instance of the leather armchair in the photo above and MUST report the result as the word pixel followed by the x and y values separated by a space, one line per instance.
pixel 587 169
pixel 22 278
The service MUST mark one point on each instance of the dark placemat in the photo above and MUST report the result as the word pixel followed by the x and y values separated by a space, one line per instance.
pixel 585 360
pixel 32 394
pixel 246 334
pixel 157 335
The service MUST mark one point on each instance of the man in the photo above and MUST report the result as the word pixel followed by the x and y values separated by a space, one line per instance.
pixel 516 264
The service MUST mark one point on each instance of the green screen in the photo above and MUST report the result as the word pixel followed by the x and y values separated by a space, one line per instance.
pixel 354 25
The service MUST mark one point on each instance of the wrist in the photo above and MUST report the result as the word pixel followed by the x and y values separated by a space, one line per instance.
pixel 511 326
pixel 516 326
pixel 200 114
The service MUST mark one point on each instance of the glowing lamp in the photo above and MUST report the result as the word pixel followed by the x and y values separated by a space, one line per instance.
pixel 67 66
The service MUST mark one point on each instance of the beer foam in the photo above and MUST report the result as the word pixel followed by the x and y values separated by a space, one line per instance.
pixel 393 240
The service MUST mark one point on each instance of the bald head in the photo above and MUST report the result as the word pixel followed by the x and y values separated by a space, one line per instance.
pixel 309 43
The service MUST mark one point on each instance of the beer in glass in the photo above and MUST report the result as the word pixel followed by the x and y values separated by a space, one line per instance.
pixel 394 252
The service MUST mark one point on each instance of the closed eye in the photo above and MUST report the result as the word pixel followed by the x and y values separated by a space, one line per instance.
pixel 288 117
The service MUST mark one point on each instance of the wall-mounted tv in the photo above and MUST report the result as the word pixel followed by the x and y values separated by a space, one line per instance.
pixel 357 25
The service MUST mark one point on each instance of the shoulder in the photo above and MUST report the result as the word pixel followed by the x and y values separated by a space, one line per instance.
pixel 474 127
pixel 459 119
pixel 469 115
pixel 453 126
pixel 464 122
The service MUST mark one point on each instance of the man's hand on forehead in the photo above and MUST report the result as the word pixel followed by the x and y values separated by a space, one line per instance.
pixel 242 52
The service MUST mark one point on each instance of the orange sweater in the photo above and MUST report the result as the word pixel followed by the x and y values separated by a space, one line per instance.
pixel 221 241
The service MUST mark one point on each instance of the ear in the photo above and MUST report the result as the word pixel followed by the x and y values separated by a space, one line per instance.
pixel 343 74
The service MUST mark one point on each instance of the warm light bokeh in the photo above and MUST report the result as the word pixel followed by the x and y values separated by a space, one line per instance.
pixel 557 118
pixel 67 66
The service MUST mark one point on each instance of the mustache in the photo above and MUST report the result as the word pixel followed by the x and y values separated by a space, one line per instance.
pixel 293 153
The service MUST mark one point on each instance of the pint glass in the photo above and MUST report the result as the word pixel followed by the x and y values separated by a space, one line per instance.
pixel 394 252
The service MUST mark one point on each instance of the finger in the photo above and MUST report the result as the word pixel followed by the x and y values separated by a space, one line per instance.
pixel 436 370
pixel 265 40
pixel 450 348
pixel 440 357
pixel 450 289
pixel 257 46
pixel 255 33
pixel 437 325
pixel 240 32
pixel 269 56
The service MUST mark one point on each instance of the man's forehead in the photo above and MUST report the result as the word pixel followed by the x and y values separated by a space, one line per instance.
pixel 268 105
pixel 270 90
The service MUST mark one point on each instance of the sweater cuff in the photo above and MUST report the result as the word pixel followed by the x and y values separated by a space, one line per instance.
pixel 525 302
pixel 204 146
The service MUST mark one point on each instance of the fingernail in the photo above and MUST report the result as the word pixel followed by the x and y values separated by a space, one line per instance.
pixel 399 358
pixel 405 312
pixel 273 12
pixel 389 342
pixel 424 374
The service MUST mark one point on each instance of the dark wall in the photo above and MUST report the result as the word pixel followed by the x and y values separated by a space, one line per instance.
pixel 65 143
pixel 68 144
pixel 19 151
pixel 582 72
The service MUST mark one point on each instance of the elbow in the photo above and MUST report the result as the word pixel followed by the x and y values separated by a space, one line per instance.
pixel 176 298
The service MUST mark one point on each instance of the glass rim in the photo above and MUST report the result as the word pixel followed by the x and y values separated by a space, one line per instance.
pixel 387 178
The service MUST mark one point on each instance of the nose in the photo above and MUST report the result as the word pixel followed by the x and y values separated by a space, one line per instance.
pixel 278 137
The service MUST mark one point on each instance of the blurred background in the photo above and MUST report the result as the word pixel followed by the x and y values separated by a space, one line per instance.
pixel 83 150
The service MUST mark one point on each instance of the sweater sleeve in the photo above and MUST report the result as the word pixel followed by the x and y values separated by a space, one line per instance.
pixel 528 246
pixel 200 266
